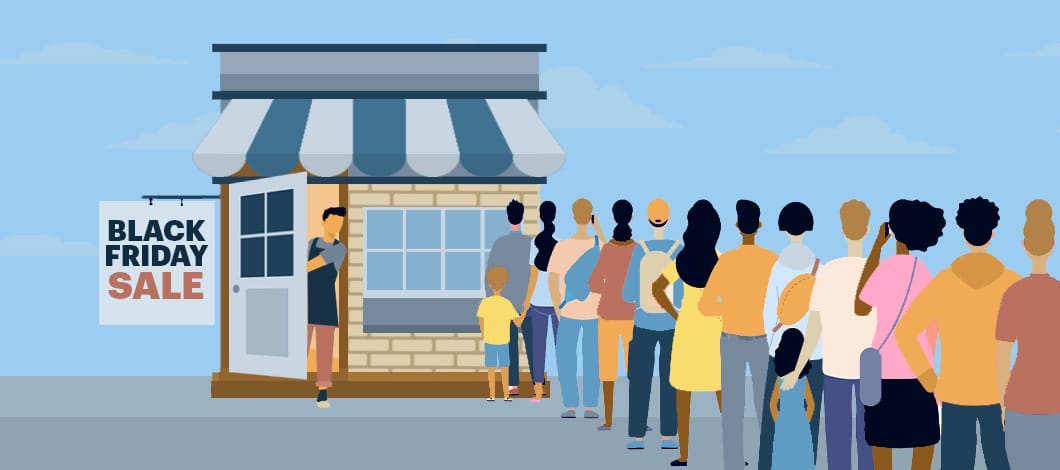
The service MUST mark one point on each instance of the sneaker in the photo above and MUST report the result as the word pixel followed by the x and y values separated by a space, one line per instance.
pixel 322 399
pixel 507 399
pixel 491 399
pixel 535 400
pixel 568 414
pixel 635 445
pixel 669 444
pixel 678 463
pixel 591 414
pixel 513 391
pixel 604 428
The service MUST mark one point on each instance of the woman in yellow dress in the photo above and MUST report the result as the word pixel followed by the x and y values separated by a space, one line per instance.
pixel 695 364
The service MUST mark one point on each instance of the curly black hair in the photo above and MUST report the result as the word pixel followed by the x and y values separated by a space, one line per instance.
pixel 788 354
pixel 795 218
pixel 545 241
pixel 622 210
pixel 978 217
pixel 698 257
pixel 916 223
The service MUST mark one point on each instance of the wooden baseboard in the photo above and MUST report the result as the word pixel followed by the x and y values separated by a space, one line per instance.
pixel 365 385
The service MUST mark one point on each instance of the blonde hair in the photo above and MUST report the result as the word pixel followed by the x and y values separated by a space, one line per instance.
pixel 855 217
pixel 583 211
pixel 497 277
pixel 1039 231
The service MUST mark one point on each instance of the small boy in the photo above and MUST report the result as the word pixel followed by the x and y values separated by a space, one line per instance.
pixel 495 314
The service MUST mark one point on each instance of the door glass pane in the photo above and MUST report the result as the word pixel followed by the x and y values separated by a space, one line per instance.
pixel 252 214
pixel 424 271
pixel 463 229
pixel 281 211
pixel 281 255
pixel 252 257
pixel 424 230
pixel 496 226
pixel 463 271
pixel 383 271
pixel 383 229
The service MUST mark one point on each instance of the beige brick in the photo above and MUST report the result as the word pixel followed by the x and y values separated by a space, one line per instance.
pixel 358 360
pixel 531 200
pixel 531 216
pixel 390 360
pixel 414 199
pixel 393 335
pixel 391 188
pixel 496 200
pixel 356 315
pixel 478 188
pixel 433 360
pixel 422 371
pixel 369 344
pixel 520 188
pixel 470 360
pixel 356 243
pixel 356 285
pixel 357 227
pixel 355 214
pixel 437 188
pixel 369 369
pixel 369 199
pixel 358 188
pixel 355 258
pixel 455 345
pixel 433 335
pixel 457 199
pixel 469 335
pixel 412 345
pixel 481 346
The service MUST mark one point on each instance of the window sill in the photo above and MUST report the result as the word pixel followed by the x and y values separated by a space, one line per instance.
pixel 421 315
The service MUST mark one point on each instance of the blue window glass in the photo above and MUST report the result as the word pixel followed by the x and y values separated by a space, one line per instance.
pixel 383 271
pixel 252 257
pixel 383 229
pixel 463 271
pixel 280 255
pixel 463 229
pixel 496 226
pixel 424 271
pixel 252 214
pixel 424 230
pixel 281 211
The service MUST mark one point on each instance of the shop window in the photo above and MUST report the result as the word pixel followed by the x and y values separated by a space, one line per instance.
pixel 429 253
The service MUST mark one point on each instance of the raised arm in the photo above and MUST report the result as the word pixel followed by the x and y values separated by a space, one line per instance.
pixel 861 308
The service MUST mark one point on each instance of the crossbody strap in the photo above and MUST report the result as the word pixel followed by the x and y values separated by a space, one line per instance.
pixel 900 309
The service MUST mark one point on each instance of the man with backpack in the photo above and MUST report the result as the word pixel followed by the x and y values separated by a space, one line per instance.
pixel 651 326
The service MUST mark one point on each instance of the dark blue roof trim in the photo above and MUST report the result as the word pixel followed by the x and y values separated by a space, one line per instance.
pixel 388 95
pixel 380 48
pixel 399 180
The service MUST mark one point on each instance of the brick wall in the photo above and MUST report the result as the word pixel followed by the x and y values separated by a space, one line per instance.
pixel 421 352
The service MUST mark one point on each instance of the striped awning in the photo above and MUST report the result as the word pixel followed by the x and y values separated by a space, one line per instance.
pixel 381 137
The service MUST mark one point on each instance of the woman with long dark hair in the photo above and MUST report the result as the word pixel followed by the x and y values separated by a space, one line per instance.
pixel 695 364
pixel 538 304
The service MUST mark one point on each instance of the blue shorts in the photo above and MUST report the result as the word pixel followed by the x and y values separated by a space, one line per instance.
pixel 496 356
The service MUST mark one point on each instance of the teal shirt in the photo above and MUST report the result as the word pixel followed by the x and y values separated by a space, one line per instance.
pixel 631 291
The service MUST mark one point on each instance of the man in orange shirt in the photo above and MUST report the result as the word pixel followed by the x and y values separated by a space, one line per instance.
pixel 736 291
pixel 964 301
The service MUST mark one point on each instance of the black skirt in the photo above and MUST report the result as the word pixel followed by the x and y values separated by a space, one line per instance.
pixel 906 416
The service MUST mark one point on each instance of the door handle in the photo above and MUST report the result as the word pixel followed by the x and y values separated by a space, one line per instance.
pixel 235 288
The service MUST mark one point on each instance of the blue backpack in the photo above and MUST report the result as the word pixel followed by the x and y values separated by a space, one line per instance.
pixel 577 278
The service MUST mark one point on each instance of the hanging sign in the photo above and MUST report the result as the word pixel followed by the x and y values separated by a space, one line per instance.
pixel 156 263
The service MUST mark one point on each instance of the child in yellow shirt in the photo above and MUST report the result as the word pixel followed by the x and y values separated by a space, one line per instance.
pixel 495 313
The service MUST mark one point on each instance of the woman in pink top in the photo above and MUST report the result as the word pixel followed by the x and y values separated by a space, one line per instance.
pixel 907 415
pixel 616 314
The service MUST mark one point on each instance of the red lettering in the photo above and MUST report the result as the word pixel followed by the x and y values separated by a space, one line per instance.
pixel 145 286
pixel 120 284
pixel 167 284
pixel 192 285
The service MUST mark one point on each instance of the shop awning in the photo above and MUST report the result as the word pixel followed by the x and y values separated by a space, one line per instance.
pixel 381 137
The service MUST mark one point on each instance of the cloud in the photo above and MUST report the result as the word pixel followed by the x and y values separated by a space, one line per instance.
pixel 84 54
pixel 172 136
pixel 741 58
pixel 460 40
pixel 44 245
pixel 1052 50
pixel 575 100
pixel 859 135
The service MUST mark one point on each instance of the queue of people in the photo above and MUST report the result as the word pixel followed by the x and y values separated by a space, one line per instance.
pixel 856 336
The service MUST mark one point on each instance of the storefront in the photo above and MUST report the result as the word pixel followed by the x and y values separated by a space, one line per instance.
pixel 424 145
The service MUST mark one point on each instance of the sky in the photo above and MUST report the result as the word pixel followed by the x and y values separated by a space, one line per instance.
pixel 818 103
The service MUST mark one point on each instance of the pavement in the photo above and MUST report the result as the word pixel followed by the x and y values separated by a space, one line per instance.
pixel 171 422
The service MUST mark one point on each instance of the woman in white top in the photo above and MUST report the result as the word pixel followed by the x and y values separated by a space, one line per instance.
pixel 538 302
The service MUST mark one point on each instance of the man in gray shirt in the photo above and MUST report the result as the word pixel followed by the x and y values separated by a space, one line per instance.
pixel 511 252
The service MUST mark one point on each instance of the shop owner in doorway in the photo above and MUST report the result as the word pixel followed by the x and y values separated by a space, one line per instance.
pixel 325 258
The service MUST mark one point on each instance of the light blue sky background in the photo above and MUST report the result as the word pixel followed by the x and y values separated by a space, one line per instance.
pixel 816 102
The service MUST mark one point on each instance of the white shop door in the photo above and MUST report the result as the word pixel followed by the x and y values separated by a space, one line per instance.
pixel 267 276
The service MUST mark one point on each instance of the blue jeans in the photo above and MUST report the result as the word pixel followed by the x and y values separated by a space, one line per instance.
pixel 567 361
pixel 641 370
pixel 540 318
pixel 814 380
pixel 959 437
pixel 840 396
pixel 513 348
